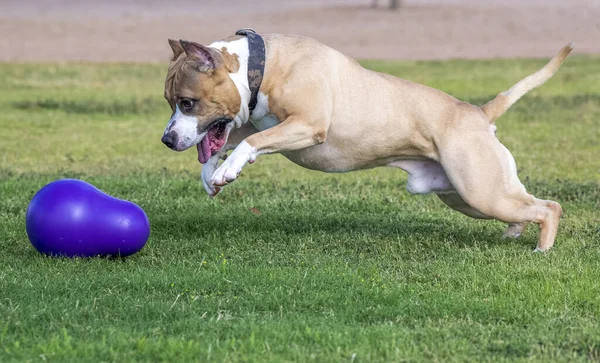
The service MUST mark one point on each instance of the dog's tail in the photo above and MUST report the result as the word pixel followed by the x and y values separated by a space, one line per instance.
pixel 496 107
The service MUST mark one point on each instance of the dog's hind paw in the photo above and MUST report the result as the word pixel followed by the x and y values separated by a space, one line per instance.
pixel 514 230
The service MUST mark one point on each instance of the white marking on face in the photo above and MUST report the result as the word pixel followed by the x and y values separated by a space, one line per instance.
pixel 240 78
pixel 186 129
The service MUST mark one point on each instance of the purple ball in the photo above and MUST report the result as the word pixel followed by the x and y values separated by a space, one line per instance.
pixel 70 217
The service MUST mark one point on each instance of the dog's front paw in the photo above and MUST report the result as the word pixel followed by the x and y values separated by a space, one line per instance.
pixel 232 166
pixel 225 174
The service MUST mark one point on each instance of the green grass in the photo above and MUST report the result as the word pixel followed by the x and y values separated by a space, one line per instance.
pixel 334 268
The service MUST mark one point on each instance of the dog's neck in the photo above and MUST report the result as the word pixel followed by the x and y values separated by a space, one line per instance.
pixel 256 63
pixel 250 51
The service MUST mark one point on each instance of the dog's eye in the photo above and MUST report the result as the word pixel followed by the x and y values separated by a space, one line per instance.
pixel 186 104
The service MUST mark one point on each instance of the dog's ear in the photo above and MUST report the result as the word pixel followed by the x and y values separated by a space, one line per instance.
pixel 177 48
pixel 207 59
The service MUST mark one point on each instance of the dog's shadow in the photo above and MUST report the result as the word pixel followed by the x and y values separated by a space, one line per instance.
pixel 462 232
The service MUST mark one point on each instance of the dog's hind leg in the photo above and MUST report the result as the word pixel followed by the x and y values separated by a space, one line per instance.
pixel 454 201
pixel 481 170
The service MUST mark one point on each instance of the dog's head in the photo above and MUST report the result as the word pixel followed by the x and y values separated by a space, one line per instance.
pixel 203 98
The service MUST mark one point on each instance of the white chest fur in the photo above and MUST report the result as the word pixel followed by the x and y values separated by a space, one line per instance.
pixel 265 123
pixel 261 118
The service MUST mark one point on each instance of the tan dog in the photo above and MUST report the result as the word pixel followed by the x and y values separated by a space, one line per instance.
pixel 323 111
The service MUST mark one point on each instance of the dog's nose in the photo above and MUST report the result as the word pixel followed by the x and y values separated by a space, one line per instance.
pixel 169 139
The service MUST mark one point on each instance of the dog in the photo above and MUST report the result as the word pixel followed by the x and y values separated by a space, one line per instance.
pixel 292 95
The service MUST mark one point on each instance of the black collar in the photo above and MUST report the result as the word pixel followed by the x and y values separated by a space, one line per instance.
pixel 256 63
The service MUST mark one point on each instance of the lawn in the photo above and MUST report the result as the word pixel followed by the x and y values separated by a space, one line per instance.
pixel 288 264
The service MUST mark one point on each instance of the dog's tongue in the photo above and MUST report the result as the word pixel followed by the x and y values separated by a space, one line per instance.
pixel 203 150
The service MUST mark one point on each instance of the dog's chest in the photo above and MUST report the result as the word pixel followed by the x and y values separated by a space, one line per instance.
pixel 266 122
pixel 261 117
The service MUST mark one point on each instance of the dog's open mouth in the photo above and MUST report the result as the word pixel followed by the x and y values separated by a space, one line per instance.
pixel 215 139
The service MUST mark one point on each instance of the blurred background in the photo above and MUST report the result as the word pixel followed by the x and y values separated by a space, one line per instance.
pixel 136 30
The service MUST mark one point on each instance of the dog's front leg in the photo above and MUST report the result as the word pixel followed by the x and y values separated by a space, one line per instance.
pixel 235 137
pixel 292 134
pixel 207 172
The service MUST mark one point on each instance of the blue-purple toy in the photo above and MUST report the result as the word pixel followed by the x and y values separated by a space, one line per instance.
pixel 71 218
